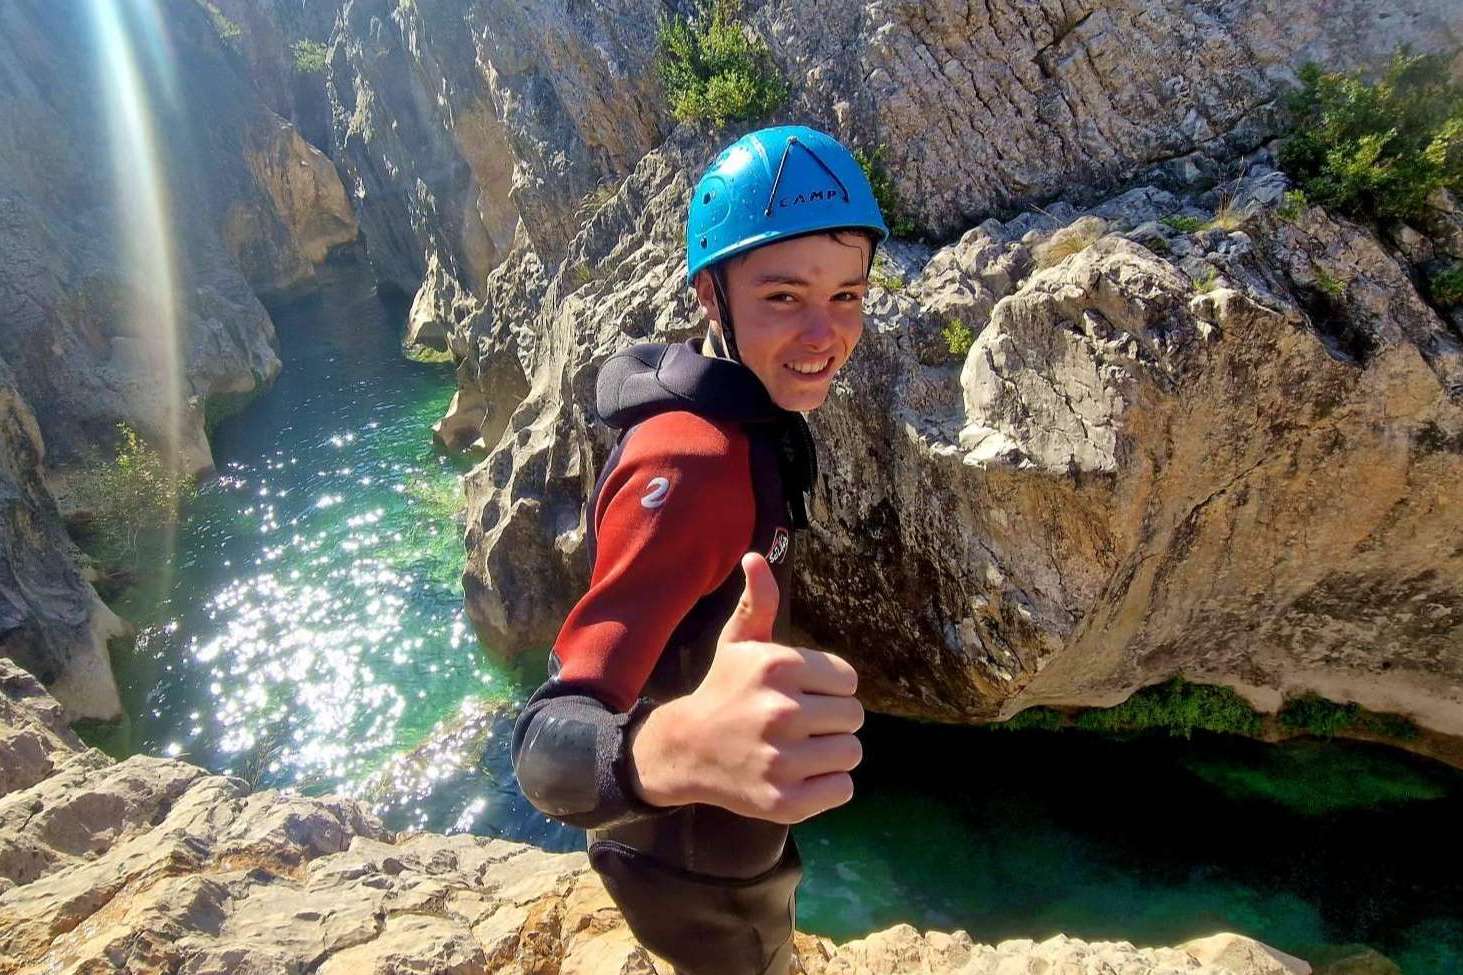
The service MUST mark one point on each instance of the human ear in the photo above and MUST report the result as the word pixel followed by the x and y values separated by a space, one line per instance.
pixel 706 296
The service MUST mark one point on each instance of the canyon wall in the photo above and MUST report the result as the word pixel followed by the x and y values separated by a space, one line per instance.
pixel 1168 454
pixel 147 197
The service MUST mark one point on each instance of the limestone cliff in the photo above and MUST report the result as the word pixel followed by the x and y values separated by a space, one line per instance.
pixel 51 621
pixel 1165 453
pixel 146 196
pixel 153 865
pixel 459 122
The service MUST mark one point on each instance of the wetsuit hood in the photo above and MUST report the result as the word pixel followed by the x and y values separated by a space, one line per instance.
pixel 652 378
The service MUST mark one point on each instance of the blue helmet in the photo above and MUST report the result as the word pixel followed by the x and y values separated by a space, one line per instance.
pixel 776 183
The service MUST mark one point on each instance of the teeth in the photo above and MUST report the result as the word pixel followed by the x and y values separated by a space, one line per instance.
pixel 809 369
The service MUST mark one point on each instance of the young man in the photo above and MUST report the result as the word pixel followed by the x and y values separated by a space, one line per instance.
pixel 677 726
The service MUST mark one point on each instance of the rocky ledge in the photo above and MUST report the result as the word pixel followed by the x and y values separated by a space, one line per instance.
pixel 155 865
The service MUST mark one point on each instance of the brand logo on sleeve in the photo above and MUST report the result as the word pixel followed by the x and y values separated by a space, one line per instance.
pixel 778 551
pixel 655 497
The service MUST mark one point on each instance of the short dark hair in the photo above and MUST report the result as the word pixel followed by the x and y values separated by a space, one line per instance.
pixel 840 234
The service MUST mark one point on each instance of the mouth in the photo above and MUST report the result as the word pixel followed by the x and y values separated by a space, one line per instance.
pixel 811 369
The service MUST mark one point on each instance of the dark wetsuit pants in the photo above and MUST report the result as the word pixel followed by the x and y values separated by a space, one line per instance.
pixel 711 892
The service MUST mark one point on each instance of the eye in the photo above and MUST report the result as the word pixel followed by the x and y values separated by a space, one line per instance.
pixel 779 297
pixel 849 296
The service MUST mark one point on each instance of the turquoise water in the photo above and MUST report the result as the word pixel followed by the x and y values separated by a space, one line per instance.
pixel 308 624
pixel 308 629
pixel 1151 840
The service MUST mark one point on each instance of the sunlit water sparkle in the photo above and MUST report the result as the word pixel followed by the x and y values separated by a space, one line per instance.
pixel 314 628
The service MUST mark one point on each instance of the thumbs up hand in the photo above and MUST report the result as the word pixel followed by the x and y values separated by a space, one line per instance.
pixel 768 733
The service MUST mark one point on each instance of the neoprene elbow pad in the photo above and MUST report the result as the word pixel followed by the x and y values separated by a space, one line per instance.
pixel 571 756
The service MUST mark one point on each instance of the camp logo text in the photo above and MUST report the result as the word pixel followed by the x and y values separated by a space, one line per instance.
pixel 816 196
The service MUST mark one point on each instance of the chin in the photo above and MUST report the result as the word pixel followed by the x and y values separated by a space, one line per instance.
pixel 802 400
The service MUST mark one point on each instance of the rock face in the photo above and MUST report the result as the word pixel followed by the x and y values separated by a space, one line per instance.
pixel 268 32
pixel 153 865
pixel 135 240
pixel 1164 453
pixel 51 621
pixel 986 107
pixel 146 196
pixel 462 122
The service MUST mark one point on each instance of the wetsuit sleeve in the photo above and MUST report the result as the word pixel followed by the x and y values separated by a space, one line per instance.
pixel 672 521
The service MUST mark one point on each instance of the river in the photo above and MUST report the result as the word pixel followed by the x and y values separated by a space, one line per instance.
pixel 306 626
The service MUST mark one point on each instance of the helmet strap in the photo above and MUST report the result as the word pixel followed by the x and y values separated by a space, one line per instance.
pixel 728 336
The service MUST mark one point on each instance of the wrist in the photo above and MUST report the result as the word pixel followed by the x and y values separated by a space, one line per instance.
pixel 656 774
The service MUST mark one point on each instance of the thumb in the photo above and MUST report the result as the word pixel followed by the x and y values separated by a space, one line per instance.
pixel 757 609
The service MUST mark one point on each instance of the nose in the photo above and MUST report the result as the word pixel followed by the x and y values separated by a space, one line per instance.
pixel 817 332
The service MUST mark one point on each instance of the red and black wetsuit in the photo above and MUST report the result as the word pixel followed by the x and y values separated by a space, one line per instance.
pixel 707 469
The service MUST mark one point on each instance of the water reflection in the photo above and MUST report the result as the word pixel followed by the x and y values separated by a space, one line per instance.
pixel 315 627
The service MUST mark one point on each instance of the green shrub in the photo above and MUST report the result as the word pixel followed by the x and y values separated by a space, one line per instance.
pixel 885 280
pixel 1183 224
pixel 134 492
pixel 1158 246
pixel 901 223
pixel 958 337
pixel 1312 714
pixel 1177 707
pixel 310 57
pixel 1292 205
pixel 1378 149
pixel 714 70
pixel 1446 286
pixel 228 31
pixel 1207 281
pixel 1330 285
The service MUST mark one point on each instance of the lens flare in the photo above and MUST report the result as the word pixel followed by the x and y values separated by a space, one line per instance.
pixel 145 351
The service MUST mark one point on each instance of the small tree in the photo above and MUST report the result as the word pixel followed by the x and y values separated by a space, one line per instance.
pixel 135 491
pixel 310 57
pixel 1377 150
pixel 714 69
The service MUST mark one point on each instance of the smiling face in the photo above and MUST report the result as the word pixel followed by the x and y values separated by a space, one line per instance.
pixel 797 312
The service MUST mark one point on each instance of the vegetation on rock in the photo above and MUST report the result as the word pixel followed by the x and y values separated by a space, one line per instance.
pixel 714 69
pixel 958 337
pixel 227 30
pixel 1445 286
pixel 1177 707
pixel 1332 286
pixel 1312 714
pixel 1180 708
pixel 1373 150
pixel 310 56
pixel 1292 205
pixel 134 491
pixel 1071 239
pixel 901 223
pixel 1181 223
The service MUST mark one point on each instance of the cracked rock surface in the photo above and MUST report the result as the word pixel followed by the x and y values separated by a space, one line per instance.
pixel 153 865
